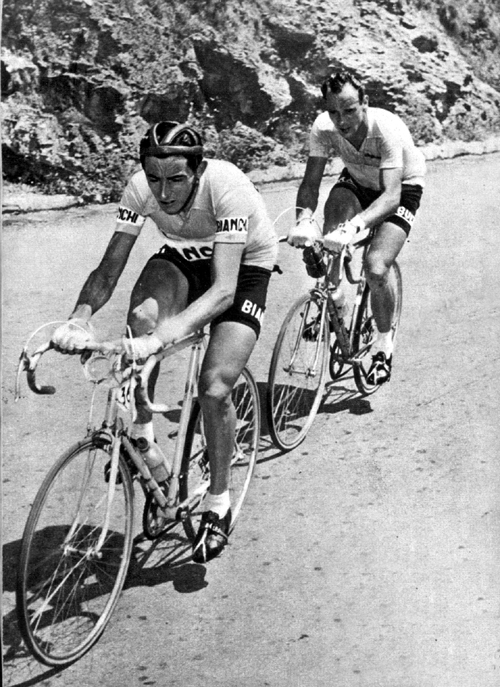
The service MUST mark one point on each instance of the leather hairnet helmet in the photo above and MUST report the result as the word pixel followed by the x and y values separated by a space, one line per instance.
pixel 171 138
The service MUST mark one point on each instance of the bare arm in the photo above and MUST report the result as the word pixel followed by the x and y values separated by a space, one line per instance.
pixel 305 232
pixel 226 262
pixel 76 335
pixel 101 283
pixel 307 196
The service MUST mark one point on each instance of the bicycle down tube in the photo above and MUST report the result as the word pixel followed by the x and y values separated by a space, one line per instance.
pixel 78 539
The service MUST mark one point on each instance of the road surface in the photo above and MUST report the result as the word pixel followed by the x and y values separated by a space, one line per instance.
pixel 367 557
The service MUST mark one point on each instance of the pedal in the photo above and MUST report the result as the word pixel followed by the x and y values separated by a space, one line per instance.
pixel 182 514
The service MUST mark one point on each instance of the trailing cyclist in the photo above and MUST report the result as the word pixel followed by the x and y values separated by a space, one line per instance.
pixel 220 248
pixel 381 185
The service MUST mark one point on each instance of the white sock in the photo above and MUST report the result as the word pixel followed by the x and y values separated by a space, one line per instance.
pixel 383 343
pixel 145 430
pixel 218 503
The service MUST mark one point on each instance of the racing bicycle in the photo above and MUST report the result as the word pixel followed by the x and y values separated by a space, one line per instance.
pixel 78 539
pixel 316 337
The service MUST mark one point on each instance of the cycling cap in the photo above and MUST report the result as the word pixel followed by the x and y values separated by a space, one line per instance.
pixel 170 138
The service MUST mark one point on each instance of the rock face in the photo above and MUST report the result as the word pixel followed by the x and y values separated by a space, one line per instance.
pixel 81 80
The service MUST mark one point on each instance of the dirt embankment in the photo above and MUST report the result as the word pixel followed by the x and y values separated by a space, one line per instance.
pixel 20 198
pixel 81 80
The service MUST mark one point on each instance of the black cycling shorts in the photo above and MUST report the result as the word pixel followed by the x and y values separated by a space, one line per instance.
pixel 251 290
pixel 408 204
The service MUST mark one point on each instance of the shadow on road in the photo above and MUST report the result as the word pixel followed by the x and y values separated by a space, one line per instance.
pixel 167 559
pixel 338 398
pixel 20 669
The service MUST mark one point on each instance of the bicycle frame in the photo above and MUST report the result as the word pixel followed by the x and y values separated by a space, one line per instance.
pixel 79 536
pixel 121 409
pixel 336 268
pixel 119 414
pixel 172 509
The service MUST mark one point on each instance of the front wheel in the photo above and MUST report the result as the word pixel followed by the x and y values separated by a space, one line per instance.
pixel 365 330
pixel 297 373
pixel 195 472
pixel 75 554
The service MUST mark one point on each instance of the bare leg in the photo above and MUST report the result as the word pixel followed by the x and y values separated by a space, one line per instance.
pixel 231 344
pixel 340 206
pixel 160 292
pixel 229 349
pixel 383 251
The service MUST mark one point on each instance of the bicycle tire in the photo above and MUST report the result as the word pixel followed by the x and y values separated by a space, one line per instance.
pixel 294 393
pixel 364 331
pixel 65 591
pixel 195 466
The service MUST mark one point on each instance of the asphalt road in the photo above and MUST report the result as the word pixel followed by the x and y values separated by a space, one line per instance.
pixel 369 556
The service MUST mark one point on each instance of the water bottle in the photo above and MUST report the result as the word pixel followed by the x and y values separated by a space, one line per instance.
pixel 153 457
pixel 313 258
pixel 339 300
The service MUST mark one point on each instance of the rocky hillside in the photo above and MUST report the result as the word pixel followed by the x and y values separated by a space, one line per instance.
pixel 82 79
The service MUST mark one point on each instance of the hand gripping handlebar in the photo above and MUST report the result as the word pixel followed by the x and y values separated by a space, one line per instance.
pixel 28 363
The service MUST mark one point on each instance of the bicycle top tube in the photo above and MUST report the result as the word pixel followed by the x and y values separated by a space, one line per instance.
pixel 195 340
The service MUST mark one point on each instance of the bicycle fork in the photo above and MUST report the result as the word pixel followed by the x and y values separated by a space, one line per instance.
pixel 317 329
pixel 102 438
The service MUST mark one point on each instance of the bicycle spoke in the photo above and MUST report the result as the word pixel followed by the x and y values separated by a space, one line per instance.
pixel 297 372
pixel 69 580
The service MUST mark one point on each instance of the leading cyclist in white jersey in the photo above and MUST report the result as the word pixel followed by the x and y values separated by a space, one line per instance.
pixel 220 248
pixel 381 185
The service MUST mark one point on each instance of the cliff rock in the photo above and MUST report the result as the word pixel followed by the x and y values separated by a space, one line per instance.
pixel 81 80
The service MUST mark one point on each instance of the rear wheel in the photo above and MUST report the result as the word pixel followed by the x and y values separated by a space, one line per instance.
pixel 365 331
pixel 297 374
pixel 72 565
pixel 195 473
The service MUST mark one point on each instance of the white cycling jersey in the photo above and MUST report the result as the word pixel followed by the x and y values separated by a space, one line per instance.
pixel 388 145
pixel 227 208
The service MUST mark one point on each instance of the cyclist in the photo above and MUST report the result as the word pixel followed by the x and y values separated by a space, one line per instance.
pixel 220 248
pixel 381 184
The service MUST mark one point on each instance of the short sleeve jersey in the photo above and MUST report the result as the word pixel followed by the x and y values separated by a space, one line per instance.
pixel 388 145
pixel 227 208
